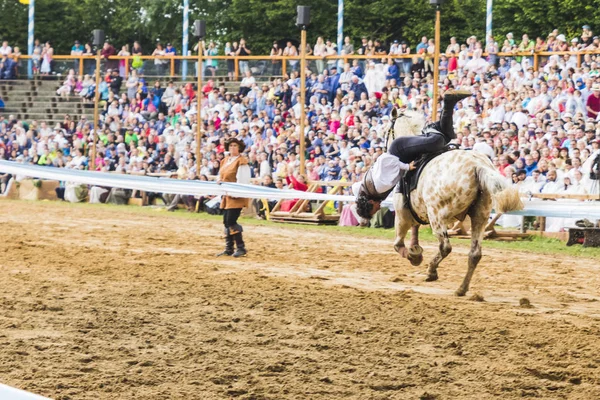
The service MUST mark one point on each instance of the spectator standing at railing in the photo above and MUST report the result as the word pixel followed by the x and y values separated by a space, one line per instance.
pixel 77 51
pixel 47 54
pixel 492 49
pixel 330 50
pixel 88 65
pixel 291 51
pixel 108 51
pixel 160 63
pixel 276 51
pixel 243 51
pixel 171 51
pixel 136 62
pixel 231 50
pixel 347 47
pixel 123 62
pixel 211 63
pixel 320 51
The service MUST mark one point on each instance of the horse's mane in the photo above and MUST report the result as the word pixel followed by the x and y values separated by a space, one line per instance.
pixel 409 123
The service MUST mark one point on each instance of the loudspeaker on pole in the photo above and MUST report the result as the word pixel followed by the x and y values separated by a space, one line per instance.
pixel 98 39
pixel 199 28
pixel 303 16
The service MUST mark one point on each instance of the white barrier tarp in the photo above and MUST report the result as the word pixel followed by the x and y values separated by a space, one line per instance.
pixel 161 185
pixel 10 393
pixel 535 207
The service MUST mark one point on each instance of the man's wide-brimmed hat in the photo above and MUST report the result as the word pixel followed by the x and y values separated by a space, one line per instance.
pixel 237 141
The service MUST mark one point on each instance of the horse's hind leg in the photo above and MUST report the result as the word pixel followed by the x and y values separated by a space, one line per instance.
pixel 441 232
pixel 479 213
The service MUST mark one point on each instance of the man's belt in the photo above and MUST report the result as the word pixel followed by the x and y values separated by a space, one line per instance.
pixel 368 187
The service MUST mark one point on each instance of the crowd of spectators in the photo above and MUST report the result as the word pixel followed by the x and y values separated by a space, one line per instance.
pixel 540 127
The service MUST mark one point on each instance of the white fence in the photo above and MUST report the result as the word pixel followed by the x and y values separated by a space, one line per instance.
pixel 533 207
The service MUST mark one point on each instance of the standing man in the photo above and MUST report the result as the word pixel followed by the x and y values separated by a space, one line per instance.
pixel 108 51
pixel 76 51
pixel 243 51
pixel 234 168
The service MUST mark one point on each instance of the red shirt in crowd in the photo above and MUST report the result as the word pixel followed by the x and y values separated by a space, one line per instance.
pixel 593 102
pixel 452 64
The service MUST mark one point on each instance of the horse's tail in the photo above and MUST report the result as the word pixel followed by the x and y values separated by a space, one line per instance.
pixel 505 197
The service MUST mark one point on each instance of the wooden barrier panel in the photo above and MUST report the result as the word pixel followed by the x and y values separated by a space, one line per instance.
pixel 34 189
pixel 11 192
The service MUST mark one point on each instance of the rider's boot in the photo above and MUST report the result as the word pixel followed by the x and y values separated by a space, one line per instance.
pixel 451 97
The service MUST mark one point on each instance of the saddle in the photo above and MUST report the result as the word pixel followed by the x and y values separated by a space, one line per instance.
pixel 410 180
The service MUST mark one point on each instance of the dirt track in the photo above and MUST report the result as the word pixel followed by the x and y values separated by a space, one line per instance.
pixel 101 303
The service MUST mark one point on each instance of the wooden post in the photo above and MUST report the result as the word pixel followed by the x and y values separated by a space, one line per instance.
pixel 199 110
pixel 302 98
pixel 535 61
pixel 172 66
pixel 81 61
pixel 96 133
pixel 236 68
pixel 284 66
pixel 126 67
pixel 436 66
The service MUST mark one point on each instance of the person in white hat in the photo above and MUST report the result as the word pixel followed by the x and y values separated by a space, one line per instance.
pixel 562 43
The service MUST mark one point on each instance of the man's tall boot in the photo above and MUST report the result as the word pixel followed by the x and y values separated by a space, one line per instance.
pixel 239 244
pixel 228 245
pixel 451 97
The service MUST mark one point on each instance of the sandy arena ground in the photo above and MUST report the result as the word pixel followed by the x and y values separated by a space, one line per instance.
pixel 107 303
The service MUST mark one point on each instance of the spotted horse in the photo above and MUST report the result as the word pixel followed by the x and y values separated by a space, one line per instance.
pixel 451 186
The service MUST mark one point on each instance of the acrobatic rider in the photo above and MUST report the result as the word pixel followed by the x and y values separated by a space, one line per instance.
pixel 390 167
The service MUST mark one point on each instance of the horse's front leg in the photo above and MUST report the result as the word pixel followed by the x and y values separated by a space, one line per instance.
pixel 415 252
pixel 402 226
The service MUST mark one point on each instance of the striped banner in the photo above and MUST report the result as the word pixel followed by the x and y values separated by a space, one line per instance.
pixel 186 29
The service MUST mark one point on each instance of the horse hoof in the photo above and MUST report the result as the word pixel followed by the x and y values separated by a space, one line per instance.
pixel 415 260
pixel 431 278
pixel 415 250
pixel 403 251
pixel 460 292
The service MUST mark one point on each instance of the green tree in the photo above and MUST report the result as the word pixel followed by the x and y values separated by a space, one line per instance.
pixel 262 21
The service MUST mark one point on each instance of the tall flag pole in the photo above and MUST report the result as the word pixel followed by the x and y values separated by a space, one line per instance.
pixel 340 26
pixel 488 21
pixel 30 37
pixel 184 51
